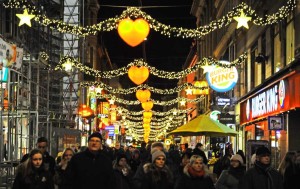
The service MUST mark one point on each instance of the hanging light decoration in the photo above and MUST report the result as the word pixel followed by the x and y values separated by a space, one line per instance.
pixel 147 106
pixel 85 111
pixel 147 114
pixel 143 95
pixel 133 32
pixel 138 75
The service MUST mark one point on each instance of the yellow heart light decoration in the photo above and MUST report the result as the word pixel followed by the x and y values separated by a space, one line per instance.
pixel 138 75
pixel 147 106
pixel 146 120
pixel 147 114
pixel 133 32
pixel 143 95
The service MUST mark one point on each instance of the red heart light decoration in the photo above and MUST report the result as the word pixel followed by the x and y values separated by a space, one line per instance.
pixel 138 74
pixel 133 32
pixel 143 95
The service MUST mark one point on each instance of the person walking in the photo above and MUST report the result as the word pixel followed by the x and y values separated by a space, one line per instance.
pixel 156 175
pixel 60 172
pixel 49 161
pixel 196 175
pixel 199 151
pixel 123 173
pixel 91 168
pixel 32 173
pixel 231 178
pixel 262 175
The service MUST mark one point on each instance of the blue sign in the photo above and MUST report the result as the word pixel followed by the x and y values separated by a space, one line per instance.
pixel 4 74
pixel 111 130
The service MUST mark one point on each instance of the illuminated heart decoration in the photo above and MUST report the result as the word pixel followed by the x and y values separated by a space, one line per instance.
pixel 133 32
pixel 147 114
pixel 143 95
pixel 138 75
pixel 147 106
pixel 146 120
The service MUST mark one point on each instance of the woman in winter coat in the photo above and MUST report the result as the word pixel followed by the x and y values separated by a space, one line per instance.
pixel 60 172
pixel 122 172
pixel 156 175
pixel 230 179
pixel 32 173
pixel 195 176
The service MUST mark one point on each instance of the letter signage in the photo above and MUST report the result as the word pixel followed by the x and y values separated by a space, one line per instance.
pixel 222 79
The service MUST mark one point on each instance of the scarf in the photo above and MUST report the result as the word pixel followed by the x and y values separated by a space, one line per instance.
pixel 195 173
pixel 237 172
pixel 266 168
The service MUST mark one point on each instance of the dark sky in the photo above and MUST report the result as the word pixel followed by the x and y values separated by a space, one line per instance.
pixel 164 53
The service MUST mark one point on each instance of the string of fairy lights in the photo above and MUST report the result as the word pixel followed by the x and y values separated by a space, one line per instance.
pixel 155 102
pixel 122 110
pixel 134 12
pixel 140 62
pixel 158 124
pixel 131 90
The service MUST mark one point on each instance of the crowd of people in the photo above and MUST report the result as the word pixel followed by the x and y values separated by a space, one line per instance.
pixel 151 167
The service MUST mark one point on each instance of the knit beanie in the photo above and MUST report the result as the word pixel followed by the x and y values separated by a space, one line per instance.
pixel 154 145
pixel 96 134
pixel 262 151
pixel 237 157
pixel 120 156
pixel 156 154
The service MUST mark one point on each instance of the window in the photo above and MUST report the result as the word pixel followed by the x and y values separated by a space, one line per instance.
pixel 290 40
pixel 278 65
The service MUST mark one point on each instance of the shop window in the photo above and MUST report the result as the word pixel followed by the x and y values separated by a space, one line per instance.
pixel 290 40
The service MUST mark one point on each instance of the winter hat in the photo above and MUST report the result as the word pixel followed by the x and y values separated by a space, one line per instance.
pixel 157 144
pixel 156 154
pixel 96 134
pixel 237 157
pixel 262 151
pixel 120 156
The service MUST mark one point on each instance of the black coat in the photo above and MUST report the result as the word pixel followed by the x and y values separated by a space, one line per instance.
pixel 258 177
pixel 38 179
pixel 122 181
pixel 152 178
pixel 188 182
pixel 89 170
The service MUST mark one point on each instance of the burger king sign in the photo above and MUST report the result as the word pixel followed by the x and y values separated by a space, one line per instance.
pixel 222 79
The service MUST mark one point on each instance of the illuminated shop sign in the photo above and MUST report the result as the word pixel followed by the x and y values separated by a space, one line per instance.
pixel 111 130
pixel 223 101
pixel 222 79
pixel 266 102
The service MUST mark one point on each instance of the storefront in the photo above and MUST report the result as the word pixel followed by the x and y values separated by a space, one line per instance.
pixel 272 113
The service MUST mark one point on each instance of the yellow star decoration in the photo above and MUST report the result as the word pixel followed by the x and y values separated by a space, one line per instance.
pixel 207 68
pixel 242 20
pixel 25 18
pixel 111 101
pixel 189 91
pixel 182 103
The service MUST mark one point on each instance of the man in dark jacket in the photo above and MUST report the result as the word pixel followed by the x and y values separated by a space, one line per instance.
pixel 262 175
pixel 90 168
pixel 49 161
pixel 198 151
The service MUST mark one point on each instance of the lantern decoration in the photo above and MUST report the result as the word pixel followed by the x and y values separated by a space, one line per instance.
pixel 147 106
pixel 133 32
pixel 25 18
pixel 201 84
pixel 147 114
pixel 242 20
pixel 138 75
pixel 143 95
pixel 85 111
pixel 146 120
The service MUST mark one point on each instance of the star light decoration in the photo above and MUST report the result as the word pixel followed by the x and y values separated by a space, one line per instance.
pixel 207 68
pixel 134 13
pixel 242 20
pixel 25 18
